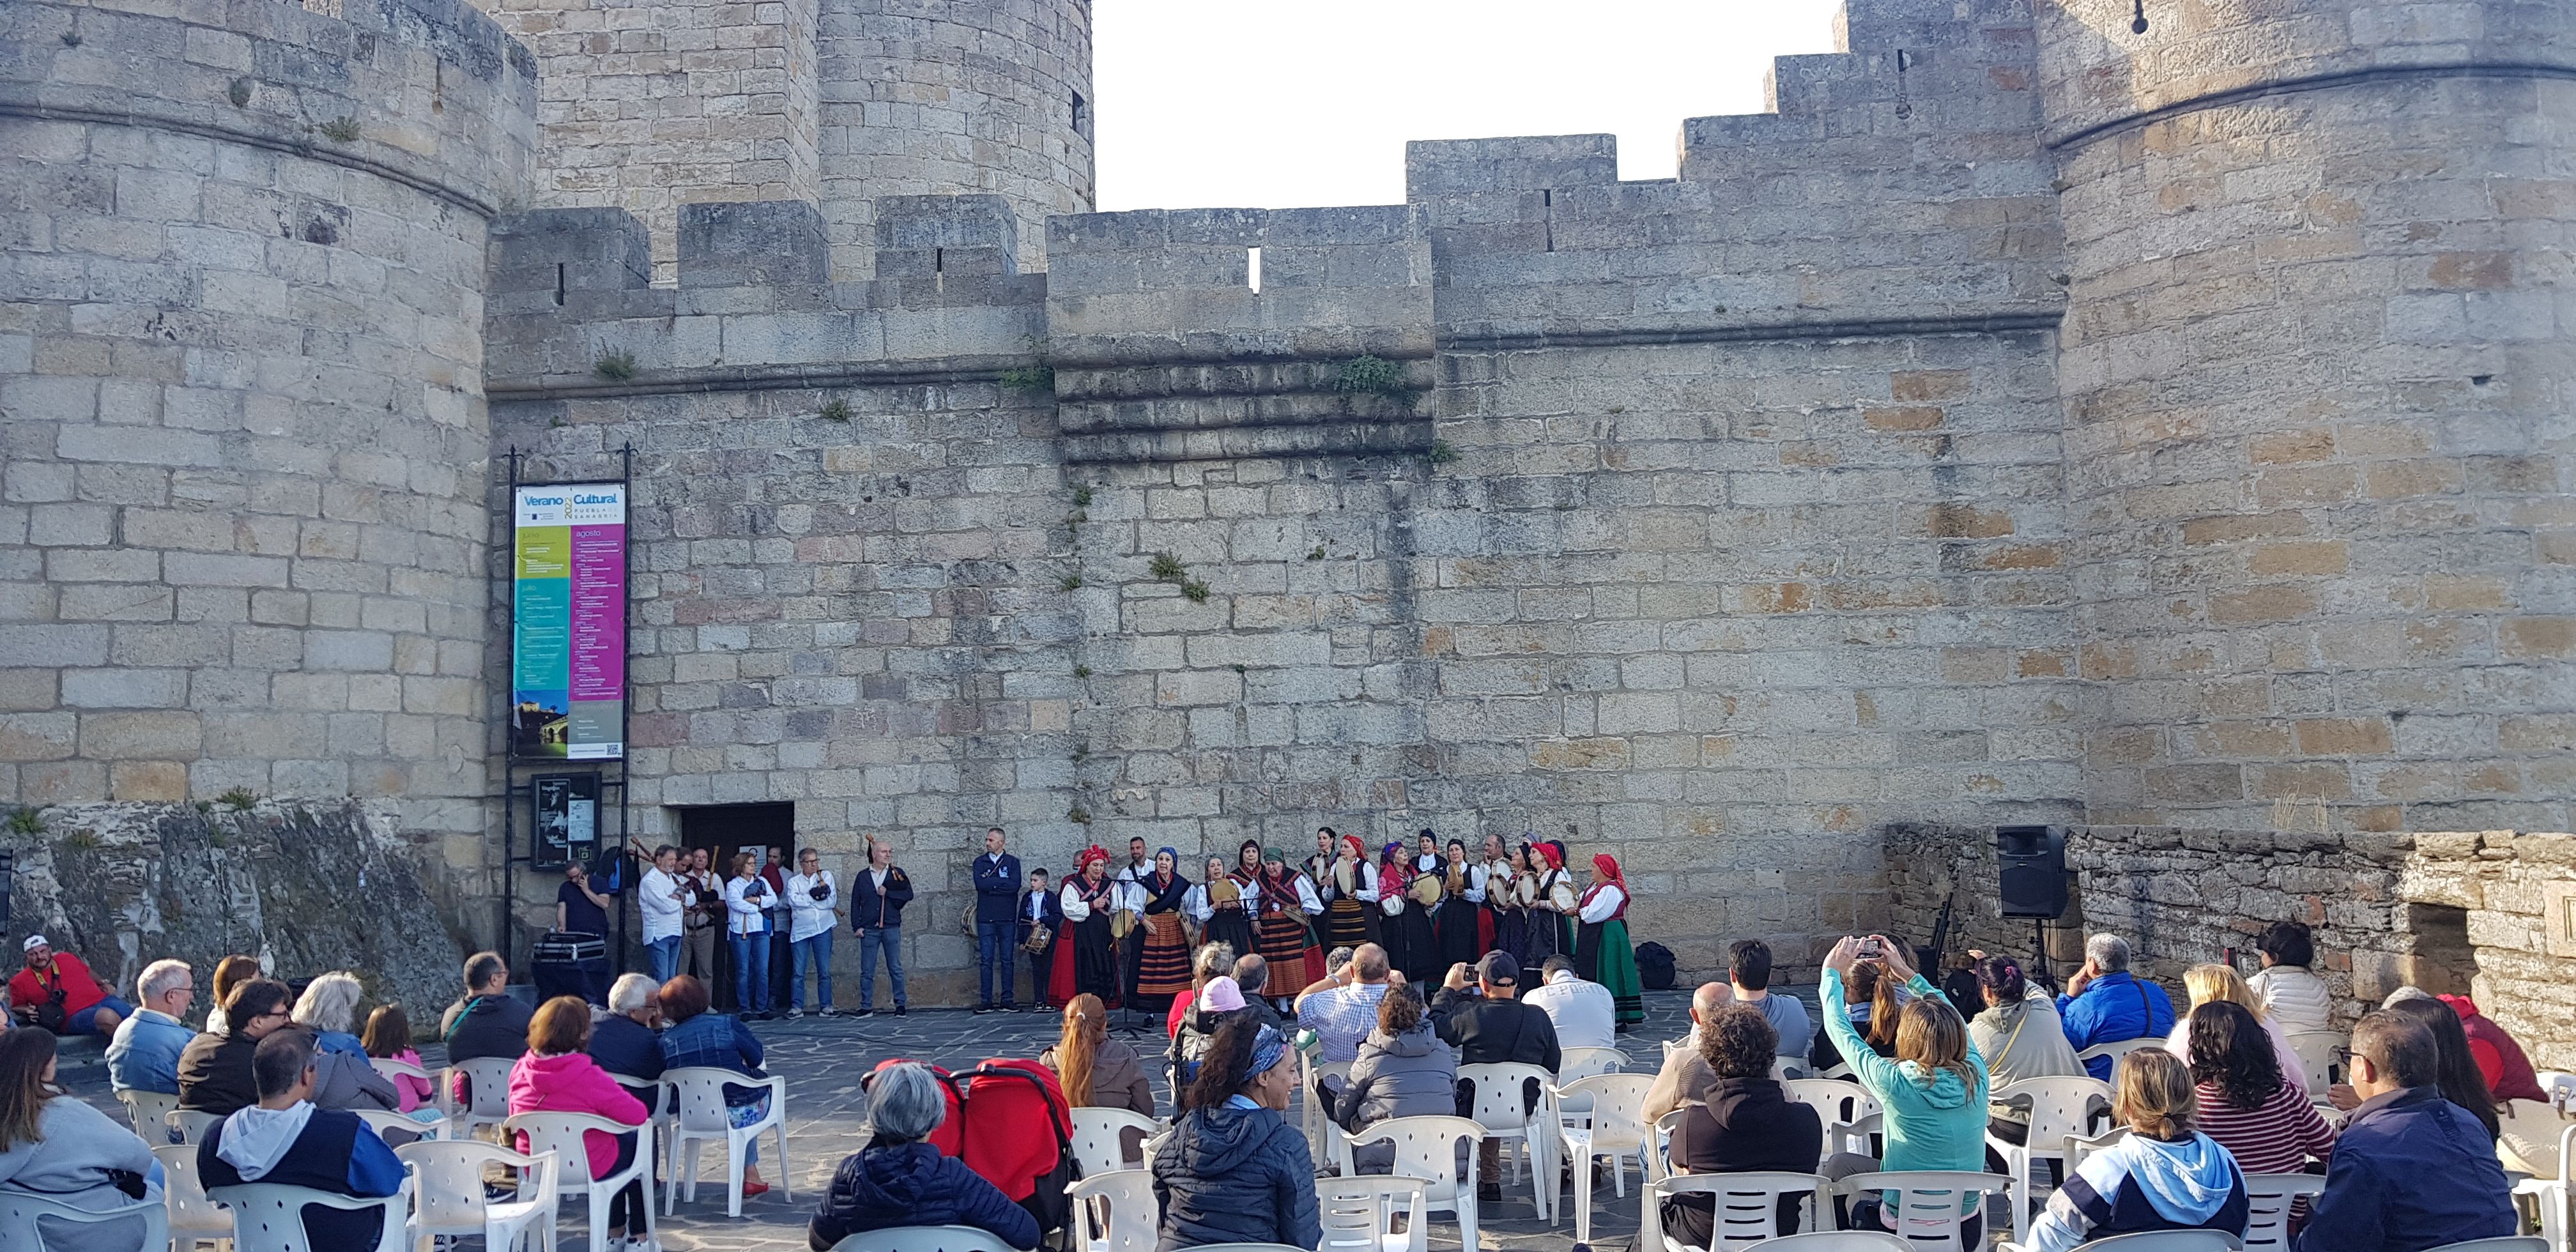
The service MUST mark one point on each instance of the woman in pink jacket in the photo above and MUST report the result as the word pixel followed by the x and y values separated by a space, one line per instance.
pixel 556 1075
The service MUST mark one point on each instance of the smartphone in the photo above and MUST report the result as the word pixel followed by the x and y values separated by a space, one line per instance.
pixel 1870 950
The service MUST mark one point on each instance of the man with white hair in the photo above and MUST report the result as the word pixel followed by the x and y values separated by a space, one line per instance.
pixel 623 1042
pixel 899 1179
pixel 2105 1003
pixel 144 1056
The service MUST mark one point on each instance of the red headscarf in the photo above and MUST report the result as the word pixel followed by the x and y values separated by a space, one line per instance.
pixel 1358 850
pixel 1552 854
pixel 1605 873
pixel 1089 855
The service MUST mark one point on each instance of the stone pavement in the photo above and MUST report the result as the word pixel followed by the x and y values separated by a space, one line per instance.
pixel 824 1058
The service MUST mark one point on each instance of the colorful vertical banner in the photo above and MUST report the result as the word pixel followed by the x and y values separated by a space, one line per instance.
pixel 568 623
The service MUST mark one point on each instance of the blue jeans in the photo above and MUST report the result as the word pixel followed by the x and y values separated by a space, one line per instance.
pixel 86 1021
pixel 663 957
pixel 871 942
pixel 995 941
pixel 815 949
pixel 750 971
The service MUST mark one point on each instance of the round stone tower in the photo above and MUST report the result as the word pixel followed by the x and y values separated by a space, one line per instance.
pixel 940 97
pixel 246 506
pixel 2316 369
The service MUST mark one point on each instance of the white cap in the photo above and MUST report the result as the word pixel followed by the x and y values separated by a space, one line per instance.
pixel 33 942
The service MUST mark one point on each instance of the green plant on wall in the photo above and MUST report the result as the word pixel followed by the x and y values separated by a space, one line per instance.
pixel 1030 380
pixel 341 129
pixel 834 410
pixel 1376 376
pixel 1165 568
pixel 26 822
pixel 616 365
pixel 237 798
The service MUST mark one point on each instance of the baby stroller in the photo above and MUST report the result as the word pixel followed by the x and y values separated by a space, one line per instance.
pixel 990 1110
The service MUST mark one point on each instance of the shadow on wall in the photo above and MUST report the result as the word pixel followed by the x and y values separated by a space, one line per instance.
pixel 306 887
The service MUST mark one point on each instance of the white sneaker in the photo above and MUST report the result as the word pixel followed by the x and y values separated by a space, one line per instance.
pixel 793 1014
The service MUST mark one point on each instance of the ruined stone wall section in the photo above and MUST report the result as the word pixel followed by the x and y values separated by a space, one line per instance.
pixel 2312 369
pixel 929 97
pixel 241 380
pixel 2519 890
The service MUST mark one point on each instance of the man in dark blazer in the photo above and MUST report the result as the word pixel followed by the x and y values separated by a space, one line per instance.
pixel 876 914
pixel 1041 906
pixel 997 898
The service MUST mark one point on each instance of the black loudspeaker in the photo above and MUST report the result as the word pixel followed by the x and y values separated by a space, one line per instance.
pixel 2033 864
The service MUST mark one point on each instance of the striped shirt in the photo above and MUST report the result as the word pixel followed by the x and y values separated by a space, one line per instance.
pixel 2277 1138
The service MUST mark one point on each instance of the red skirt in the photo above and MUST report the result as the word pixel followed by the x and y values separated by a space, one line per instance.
pixel 1282 942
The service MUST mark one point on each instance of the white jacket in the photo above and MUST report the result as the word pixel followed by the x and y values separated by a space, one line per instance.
pixel 743 916
pixel 808 916
pixel 661 912
pixel 2295 997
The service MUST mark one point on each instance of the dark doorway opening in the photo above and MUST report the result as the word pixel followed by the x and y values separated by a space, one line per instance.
pixel 724 830
pixel 2445 960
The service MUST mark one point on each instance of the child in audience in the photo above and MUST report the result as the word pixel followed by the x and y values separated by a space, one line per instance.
pixel 388 1038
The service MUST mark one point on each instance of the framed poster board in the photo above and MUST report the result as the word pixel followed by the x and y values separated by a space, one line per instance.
pixel 567 820
pixel 568 622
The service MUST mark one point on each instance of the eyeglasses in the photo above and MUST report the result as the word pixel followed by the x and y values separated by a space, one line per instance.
pixel 2345 1055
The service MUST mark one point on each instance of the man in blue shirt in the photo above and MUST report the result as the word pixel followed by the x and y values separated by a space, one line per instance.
pixel 997 897
pixel 285 1141
pixel 144 1056
pixel 2411 1170
pixel 2105 1003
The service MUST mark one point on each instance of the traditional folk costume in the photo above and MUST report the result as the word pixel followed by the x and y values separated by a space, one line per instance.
pixel 1410 945
pixel 1458 920
pixel 1552 907
pixel 1507 899
pixel 1085 959
pixel 1601 950
pixel 1280 933
pixel 1164 969
pixel 1231 901
pixel 1348 887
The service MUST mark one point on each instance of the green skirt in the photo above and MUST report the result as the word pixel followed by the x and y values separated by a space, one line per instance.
pixel 1602 953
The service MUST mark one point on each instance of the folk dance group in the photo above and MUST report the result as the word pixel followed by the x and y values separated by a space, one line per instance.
pixel 1429 908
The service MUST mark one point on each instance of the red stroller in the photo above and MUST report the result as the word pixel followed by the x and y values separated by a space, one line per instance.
pixel 989 1110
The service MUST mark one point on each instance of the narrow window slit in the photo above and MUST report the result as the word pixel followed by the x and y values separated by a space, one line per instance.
pixel 1253 267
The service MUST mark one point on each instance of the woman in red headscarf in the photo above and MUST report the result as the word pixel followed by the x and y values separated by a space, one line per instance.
pixel 1349 889
pixel 1083 957
pixel 1601 950
pixel 1552 905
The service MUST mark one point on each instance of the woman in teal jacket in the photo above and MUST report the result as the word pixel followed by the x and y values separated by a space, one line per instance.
pixel 1933 1093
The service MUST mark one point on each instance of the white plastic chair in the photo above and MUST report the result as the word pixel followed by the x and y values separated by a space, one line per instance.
pixel 393 1069
pixel 698 1096
pixel 1247 1247
pixel 192 1124
pixel 193 1216
pixel 1850 1113
pixel 487 1085
pixel 2268 1201
pixel 1930 1203
pixel 1117 1204
pixel 1838 1241
pixel 1100 1138
pixel 2528 1137
pixel 447 1181
pixel 20 1211
pixel 149 1113
pixel 1746 1208
pixel 2316 1049
pixel 2117 1048
pixel 2060 1109
pixel 1503 1107
pixel 1581 1063
pixel 923 1239
pixel 1613 1125
pixel 561 1134
pixel 2157 1241
pixel 1357 1213
pixel 2504 1243
pixel 1659 1145
pixel 385 1122
pixel 2079 1147
pixel 1317 1121
pixel 1427 1148
pixel 269 1217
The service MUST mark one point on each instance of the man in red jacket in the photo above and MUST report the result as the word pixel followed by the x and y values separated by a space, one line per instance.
pixel 57 991
pixel 2507 1071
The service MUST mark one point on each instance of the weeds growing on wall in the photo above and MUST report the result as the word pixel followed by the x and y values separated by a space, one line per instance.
pixel 616 365
pixel 1166 568
pixel 26 822
pixel 238 798
pixel 1031 380
pixel 1376 376
pixel 341 129
pixel 834 410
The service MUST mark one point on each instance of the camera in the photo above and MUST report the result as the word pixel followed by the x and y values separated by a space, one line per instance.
pixel 1871 950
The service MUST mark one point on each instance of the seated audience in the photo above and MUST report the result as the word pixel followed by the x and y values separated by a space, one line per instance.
pixel 693 1036
pixel 286 1141
pixel 2500 1060
pixel 2410 1170
pixel 342 1081
pixel 1873 1003
pixel 1219 1001
pixel 1403 1070
pixel 2210 983
pixel 57 992
pixel 230 972
pixel 61 1148
pixel 1932 1095
pixel 1211 960
pixel 557 1075
pixel 1341 1007
pixel 899 1179
pixel 1584 1012
pixel 1095 1070
pixel 624 1040
pixel 1744 1123
pixel 2105 1003
pixel 1494 1027
pixel 215 1073
pixel 1748 977
pixel 1685 1078
pixel 1252 978
pixel 388 1038
pixel 144 1056
pixel 2455 1067
pixel 2019 1036
pixel 2163 1175
pixel 2294 998
pixel 328 1007
pixel 2262 1116
pixel 1236 1171
pixel 488 1021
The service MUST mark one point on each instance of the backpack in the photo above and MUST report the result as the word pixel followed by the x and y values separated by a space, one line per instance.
pixel 1655 966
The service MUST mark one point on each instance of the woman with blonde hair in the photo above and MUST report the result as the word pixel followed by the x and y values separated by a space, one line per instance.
pixel 2209 983
pixel 1096 1070
pixel 1933 1093
pixel 2163 1175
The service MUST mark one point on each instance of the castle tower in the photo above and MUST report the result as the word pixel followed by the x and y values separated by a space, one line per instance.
pixel 243 391
pixel 944 97
pixel 2315 371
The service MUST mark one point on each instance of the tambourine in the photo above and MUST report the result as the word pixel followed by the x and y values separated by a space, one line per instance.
pixel 1524 890
pixel 1343 873
pixel 1122 923
pixel 1561 897
pixel 1426 890
pixel 1224 891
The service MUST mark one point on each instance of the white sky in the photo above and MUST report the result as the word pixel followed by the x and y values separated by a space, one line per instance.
pixel 1295 103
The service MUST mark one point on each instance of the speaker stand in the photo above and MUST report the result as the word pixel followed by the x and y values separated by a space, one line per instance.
pixel 2039 950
